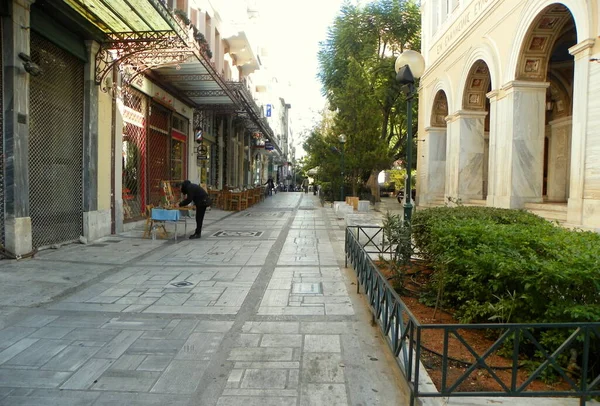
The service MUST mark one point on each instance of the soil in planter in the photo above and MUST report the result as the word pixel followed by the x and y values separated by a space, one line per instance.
pixel 479 340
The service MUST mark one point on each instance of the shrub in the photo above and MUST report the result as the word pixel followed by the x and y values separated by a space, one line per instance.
pixel 499 265
pixel 499 259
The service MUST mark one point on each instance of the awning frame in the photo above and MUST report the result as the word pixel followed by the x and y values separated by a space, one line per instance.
pixel 144 50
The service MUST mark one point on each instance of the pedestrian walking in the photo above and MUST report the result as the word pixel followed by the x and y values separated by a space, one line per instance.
pixel 305 185
pixel 195 193
pixel 270 186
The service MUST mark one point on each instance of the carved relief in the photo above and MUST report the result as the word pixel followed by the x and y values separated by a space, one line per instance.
pixel 476 83
pixel 532 65
pixel 481 69
pixel 538 44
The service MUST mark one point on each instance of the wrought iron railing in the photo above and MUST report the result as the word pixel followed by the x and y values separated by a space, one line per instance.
pixel 404 332
pixel 371 239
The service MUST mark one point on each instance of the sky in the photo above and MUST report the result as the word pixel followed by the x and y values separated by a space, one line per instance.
pixel 292 30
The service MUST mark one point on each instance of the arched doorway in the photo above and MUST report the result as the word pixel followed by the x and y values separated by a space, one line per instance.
pixel 434 153
pixel 545 58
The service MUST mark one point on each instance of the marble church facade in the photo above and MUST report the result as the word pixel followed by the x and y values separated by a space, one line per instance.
pixel 509 113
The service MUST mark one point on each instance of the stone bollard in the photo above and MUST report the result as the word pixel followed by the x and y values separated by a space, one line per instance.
pixel 364 206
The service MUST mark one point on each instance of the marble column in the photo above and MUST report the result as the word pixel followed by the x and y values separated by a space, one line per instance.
pixel 467 149
pixel 434 164
pixel 582 109
pixel 559 151
pixel 493 151
pixel 520 149
pixel 15 38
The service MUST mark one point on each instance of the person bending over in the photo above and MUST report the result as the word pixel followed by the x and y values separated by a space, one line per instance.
pixel 195 193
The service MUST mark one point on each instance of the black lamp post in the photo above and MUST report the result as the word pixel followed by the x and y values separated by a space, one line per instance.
pixel 410 65
pixel 342 139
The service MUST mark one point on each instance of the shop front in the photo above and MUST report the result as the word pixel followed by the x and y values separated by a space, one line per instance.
pixel 154 148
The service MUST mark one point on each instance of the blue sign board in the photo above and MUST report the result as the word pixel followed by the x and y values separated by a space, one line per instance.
pixel 269 146
pixel 268 110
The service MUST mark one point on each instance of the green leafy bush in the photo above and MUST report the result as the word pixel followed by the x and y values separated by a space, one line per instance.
pixel 502 262
pixel 499 265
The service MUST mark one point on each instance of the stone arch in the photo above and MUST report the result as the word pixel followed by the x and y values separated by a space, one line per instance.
pixel 439 110
pixel 534 12
pixel 487 54
pixel 541 38
pixel 477 85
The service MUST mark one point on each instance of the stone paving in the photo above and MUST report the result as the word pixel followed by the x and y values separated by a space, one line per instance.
pixel 257 312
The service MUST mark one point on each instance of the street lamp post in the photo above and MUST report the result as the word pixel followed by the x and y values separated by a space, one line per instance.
pixel 342 139
pixel 409 66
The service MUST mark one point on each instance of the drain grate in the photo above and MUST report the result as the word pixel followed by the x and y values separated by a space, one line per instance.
pixel 113 241
pixel 182 284
pixel 98 245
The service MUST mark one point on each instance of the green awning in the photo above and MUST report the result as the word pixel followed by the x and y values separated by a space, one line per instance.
pixel 115 16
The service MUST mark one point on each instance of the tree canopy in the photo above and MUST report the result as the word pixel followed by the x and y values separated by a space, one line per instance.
pixel 356 64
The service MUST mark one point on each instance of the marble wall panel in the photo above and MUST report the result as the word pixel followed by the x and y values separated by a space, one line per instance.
pixel 559 157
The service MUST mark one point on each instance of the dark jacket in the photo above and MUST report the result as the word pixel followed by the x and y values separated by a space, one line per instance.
pixel 194 194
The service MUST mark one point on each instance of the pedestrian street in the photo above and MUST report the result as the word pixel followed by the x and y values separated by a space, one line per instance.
pixel 259 311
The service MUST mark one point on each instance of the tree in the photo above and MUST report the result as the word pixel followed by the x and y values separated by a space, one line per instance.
pixel 357 73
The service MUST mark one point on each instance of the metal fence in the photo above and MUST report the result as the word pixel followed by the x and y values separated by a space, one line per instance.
pixel 404 334
pixel 55 145
pixel 134 154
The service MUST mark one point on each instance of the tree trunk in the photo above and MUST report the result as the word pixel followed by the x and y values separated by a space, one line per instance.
pixel 374 185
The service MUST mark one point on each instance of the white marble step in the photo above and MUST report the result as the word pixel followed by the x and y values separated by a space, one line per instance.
pixel 558 207
pixel 549 211
pixel 475 202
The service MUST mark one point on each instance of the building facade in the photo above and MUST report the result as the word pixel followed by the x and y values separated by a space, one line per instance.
pixel 507 107
pixel 101 106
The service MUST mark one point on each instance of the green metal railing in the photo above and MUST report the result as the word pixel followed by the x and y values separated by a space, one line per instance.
pixel 404 333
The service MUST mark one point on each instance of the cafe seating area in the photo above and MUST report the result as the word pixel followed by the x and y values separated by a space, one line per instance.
pixel 236 199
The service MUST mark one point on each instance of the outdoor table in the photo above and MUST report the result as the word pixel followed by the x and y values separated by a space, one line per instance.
pixel 167 215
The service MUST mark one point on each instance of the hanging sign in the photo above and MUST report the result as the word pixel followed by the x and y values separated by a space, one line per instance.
pixel 202 152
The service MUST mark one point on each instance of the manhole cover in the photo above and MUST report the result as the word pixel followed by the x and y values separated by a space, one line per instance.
pixel 182 284
pixel 307 288
pixel 237 234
